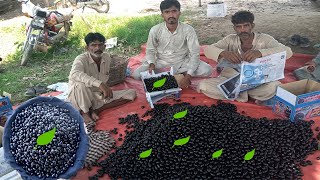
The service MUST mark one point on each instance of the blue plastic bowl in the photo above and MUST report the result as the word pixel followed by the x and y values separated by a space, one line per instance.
pixel 83 145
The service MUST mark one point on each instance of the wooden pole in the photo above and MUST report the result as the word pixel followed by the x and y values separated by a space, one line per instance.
pixel 199 3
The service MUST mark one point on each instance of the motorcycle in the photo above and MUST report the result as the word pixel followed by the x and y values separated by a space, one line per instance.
pixel 101 6
pixel 45 29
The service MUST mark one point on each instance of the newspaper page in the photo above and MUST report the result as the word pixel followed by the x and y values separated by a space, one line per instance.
pixel 230 87
pixel 260 71
pixel 264 69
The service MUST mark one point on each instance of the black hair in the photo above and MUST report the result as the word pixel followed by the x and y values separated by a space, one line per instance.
pixel 166 4
pixel 242 17
pixel 91 37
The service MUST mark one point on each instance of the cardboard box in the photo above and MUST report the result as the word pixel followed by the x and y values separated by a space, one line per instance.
pixel 298 100
pixel 155 96
pixel 5 105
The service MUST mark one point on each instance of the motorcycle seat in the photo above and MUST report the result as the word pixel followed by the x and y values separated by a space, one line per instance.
pixel 66 14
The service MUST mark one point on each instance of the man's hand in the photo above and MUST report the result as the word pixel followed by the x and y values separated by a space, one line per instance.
pixel 251 55
pixel 233 57
pixel 152 67
pixel 106 91
pixel 185 81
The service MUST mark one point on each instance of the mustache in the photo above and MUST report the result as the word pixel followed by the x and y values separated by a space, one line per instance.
pixel 99 51
pixel 243 33
pixel 171 18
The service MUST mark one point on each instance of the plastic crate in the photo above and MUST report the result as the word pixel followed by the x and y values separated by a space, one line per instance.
pixel 155 96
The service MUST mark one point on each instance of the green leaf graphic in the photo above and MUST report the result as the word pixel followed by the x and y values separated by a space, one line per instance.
pixel 45 138
pixel 145 154
pixel 180 114
pixel 249 155
pixel 181 141
pixel 159 83
pixel 217 154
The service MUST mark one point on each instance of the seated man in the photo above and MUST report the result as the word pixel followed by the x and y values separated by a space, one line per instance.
pixel 245 45
pixel 311 70
pixel 88 89
pixel 173 44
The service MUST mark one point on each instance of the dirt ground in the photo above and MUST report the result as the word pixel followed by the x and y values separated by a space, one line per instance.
pixel 278 18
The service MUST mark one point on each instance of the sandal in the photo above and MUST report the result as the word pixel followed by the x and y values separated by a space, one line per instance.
pixel 295 40
pixel 36 90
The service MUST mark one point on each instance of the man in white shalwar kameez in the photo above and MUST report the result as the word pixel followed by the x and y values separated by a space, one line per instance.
pixel 174 44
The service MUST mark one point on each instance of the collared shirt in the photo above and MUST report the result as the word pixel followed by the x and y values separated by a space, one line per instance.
pixel 170 48
pixel 84 69
pixel 265 43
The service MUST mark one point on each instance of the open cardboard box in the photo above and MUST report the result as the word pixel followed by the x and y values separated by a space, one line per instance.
pixel 5 105
pixel 298 100
pixel 155 96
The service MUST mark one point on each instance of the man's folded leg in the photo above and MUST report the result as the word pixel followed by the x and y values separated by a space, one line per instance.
pixel 136 73
pixel 209 87
pixel 82 99
pixel 265 91
pixel 203 70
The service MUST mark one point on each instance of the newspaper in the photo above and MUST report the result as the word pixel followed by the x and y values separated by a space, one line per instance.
pixel 263 70
pixel 230 87
pixel 260 71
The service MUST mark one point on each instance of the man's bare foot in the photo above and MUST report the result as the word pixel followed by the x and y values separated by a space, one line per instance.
pixel 86 117
pixel 94 116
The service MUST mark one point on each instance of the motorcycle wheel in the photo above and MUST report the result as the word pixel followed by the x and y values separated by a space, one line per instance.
pixel 26 54
pixel 27 49
pixel 67 29
pixel 103 6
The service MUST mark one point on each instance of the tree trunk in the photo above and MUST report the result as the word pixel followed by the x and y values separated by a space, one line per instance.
pixel 47 3
pixel 199 3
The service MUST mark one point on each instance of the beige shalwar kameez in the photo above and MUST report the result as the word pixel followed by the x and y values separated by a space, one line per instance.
pixel 84 82
pixel 179 50
pixel 1 134
pixel 266 44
